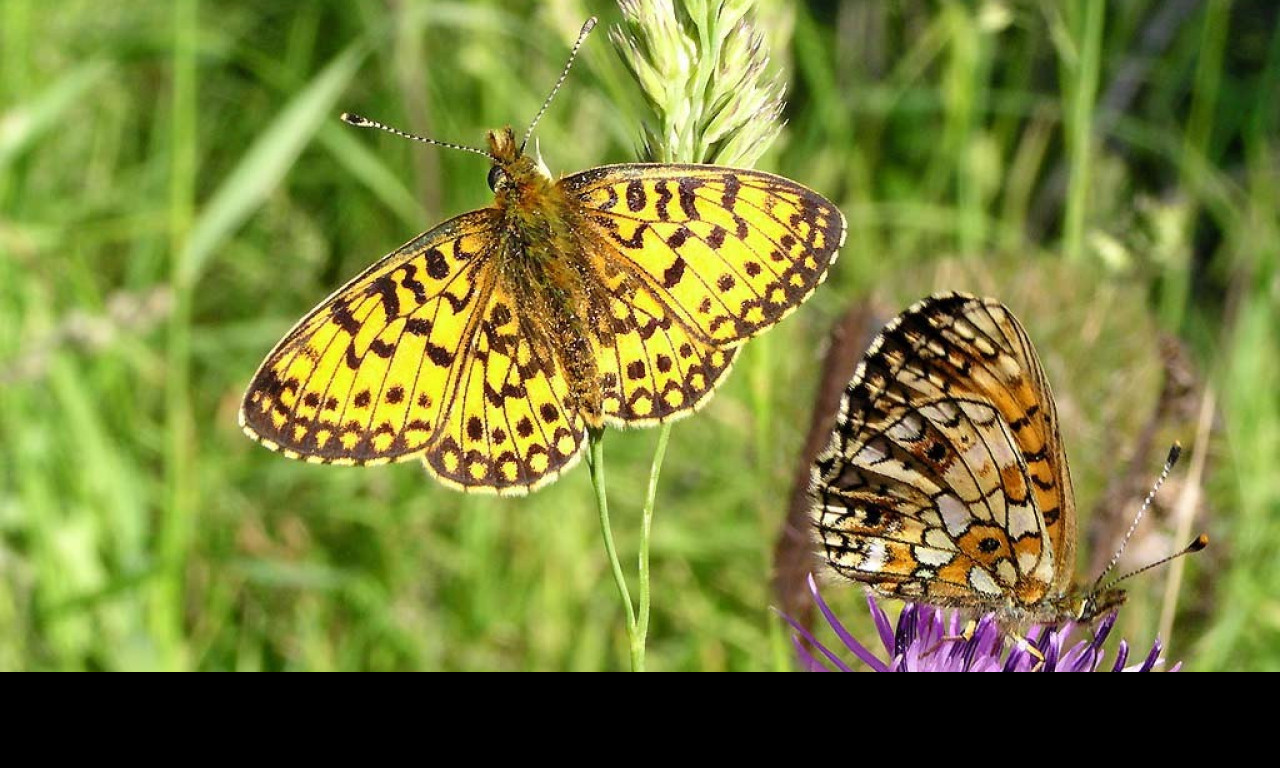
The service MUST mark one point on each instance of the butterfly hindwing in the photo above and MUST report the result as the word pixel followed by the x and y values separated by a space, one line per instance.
pixel 652 367
pixel 512 424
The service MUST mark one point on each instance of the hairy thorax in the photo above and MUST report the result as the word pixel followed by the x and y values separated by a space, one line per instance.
pixel 542 260
pixel 1079 605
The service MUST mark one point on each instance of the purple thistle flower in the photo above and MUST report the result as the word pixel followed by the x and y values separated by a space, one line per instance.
pixel 929 639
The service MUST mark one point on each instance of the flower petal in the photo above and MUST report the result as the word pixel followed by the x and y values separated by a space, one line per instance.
pixel 850 642
pixel 1122 655
pixel 813 641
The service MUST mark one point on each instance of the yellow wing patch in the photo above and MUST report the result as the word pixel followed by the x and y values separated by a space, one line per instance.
pixel 652 367
pixel 364 377
pixel 511 426
pixel 730 251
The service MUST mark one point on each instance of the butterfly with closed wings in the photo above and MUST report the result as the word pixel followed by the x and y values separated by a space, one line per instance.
pixel 945 480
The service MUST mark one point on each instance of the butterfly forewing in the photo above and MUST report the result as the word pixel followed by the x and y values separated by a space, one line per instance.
pixel 369 374
pixel 945 478
pixel 729 251
pixel 1015 382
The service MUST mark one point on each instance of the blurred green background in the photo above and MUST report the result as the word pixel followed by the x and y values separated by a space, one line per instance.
pixel 176 190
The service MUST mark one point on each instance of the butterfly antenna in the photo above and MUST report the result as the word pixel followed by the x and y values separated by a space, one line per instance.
pixel 586 29
pixel 363 122
pixel 1200 542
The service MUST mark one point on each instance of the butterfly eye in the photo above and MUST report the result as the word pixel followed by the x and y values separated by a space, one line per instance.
pixel 497 178
pixel 1087 609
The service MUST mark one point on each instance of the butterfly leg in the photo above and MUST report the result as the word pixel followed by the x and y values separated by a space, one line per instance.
pixel 1021 641
pixel 966 635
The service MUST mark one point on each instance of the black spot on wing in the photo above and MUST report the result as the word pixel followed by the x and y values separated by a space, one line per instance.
pixel 409 283
pixel 341 314
pixel 635 196
pixel 688 195
pixel 672 275
pixel 437 266
pixel 664 199
pixel 385 289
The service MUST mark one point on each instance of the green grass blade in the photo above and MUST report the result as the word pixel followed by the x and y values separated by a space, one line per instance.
pixel 266 162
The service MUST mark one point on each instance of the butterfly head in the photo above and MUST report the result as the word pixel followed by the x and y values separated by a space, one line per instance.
pixel 512 168
pixel 1098 603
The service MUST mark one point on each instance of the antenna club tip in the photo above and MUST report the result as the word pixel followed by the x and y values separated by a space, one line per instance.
pixel 1200 543
pixel 351 118
pixel 1175 451
pixel 589 25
